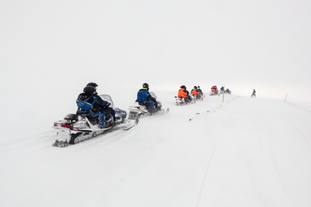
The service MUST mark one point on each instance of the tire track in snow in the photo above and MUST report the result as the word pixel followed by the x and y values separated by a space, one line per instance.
pixel 115 138
pixel 294 126
pixel 201 189
pixel 243 187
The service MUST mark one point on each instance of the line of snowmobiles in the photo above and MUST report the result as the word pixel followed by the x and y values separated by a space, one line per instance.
pixel 73 128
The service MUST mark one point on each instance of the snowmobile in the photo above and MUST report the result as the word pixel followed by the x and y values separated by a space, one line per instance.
pixel 227 91
pixel 200 97
pixel 139 109
pixel 181 101
pixel 77 128
pixel 214 93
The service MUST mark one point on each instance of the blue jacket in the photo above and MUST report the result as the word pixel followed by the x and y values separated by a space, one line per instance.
pixel 143 95
pixel 85 102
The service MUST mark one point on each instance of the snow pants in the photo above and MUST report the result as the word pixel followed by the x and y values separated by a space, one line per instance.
pixel 104 117
pixel 149 105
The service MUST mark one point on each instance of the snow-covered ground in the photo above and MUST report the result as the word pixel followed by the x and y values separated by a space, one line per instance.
pixel 240 152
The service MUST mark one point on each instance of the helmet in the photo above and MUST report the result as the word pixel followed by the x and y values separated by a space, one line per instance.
pixel 198 86
pixel 89 90
pixel 183 86
pixel 92 84
pixel 145 85
pixel 195 87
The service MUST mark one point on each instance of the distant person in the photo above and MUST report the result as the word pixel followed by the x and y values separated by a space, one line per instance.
pixel 194 91
pixel 183 93
pixel 214 90
pixel 254 93
pixel 228 91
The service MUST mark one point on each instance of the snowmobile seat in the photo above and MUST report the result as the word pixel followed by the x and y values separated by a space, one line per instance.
pixel 72 118
pixel 142 103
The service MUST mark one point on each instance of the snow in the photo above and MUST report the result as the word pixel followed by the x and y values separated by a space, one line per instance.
pixel 240 152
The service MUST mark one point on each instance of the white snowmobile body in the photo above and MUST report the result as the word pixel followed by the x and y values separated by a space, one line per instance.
pixel 181 101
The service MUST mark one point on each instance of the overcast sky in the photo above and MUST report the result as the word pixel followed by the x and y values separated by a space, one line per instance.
pixel 56 47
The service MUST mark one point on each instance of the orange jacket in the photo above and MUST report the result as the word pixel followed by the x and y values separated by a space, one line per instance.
pixel 214 89
pixel 194 92
pixel 182 93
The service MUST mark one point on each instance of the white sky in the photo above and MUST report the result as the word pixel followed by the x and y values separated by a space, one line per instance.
pixel 59 46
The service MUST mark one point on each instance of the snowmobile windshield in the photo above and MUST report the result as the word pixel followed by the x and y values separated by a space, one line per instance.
pixel 107 98
pixel 153 94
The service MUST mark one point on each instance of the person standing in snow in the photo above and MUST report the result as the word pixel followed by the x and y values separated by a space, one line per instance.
pixel 254 93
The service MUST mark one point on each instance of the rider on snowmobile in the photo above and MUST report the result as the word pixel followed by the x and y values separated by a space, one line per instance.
pixel 183 93
pixel 89 102
pixel 144 98
pixel 194 91
pixel 228 91
pixel 214 89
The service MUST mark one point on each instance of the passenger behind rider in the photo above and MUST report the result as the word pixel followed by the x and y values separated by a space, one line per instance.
pixel 200 91
pixel 216 89
pixel 90 103
pixel 183 93
pixel 144 98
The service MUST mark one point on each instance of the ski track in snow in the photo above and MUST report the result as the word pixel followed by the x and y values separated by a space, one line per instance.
pixel 243 172
pixel 243 152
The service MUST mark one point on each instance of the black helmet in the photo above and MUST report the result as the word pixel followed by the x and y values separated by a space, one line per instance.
pixel 92 84
pixel 195 87
pixel 89 90
pixel 145 85
pixel 183 86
